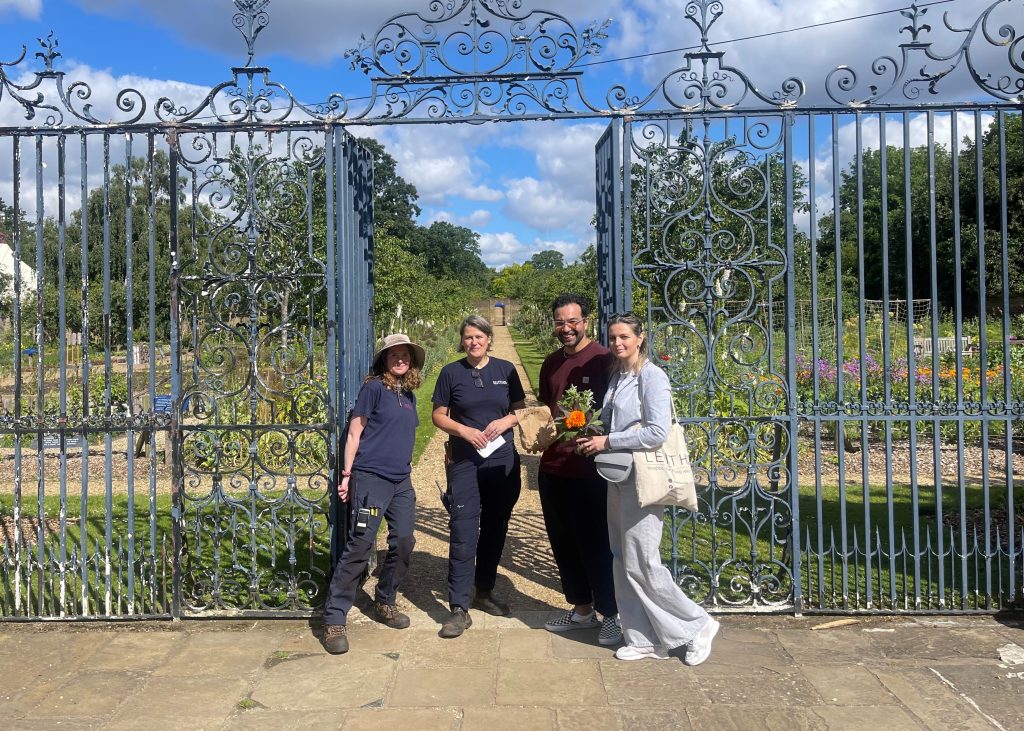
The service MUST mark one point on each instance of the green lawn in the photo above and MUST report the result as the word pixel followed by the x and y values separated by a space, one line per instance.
pixel 530 357
pixel 424 407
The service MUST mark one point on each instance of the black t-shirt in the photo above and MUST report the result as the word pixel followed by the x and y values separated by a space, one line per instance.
pixel 478 405
pixel 385 446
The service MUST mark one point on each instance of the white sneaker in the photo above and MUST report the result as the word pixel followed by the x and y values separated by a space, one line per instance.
pixel 571 620
pixel 632 652
pixel 611 631
pixel 700 646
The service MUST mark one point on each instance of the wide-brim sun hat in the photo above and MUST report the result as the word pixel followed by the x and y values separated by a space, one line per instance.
pixel 393 341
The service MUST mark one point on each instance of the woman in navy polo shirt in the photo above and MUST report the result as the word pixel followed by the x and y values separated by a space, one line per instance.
pixel 375 482
pixel 474 401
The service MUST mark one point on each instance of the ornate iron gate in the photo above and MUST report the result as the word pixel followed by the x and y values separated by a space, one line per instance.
pixel 819 285
pixel 827 275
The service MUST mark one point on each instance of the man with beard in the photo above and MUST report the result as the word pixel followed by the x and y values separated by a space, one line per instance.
pixel 572 495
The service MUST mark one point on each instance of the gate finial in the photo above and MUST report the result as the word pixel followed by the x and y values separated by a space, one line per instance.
pixel 252 17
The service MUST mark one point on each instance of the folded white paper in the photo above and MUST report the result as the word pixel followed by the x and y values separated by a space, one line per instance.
pixel 488 449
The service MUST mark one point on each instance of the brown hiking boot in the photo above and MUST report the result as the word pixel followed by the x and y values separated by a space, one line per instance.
pixel 388 614
pixel 335 639
pixel 457 623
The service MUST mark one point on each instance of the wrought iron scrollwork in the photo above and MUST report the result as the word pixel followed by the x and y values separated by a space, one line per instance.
pixel 258 437
pixel 921 67
pixel 711 261
pixel 473 60
pixel 706 82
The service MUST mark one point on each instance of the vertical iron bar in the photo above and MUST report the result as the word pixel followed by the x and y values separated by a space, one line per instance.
pixel 958 333
pixel 840 432
pixel 18 407
pixel 62 363
pixel 334 410
pixel 815 360
pixel 129 242
pixel 936 396
pixel 792 400
pixel 622 203
pixel 107 393
pixel 908 244
pixel 883 152
pixel 40 410
pixel 151 256
pixel 986 405
pixel 862 368
pixel 1004 236
pixel 83 518
pixel 175 433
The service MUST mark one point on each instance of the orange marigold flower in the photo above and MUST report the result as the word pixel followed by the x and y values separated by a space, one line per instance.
pixel 575 420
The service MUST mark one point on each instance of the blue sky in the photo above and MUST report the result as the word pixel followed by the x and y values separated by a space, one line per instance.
pixel 524 186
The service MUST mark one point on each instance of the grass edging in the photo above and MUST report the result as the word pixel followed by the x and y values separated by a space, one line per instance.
pixel 530 357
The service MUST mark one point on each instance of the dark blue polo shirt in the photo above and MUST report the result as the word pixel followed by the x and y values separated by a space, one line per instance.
pixel 471 405
pixel 385 447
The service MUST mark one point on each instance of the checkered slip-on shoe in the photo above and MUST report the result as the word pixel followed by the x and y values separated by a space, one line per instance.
pixel 570 621
pixel 611 631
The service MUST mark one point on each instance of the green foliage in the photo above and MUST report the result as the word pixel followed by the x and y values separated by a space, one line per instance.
pixel 930 175
pixel 535 288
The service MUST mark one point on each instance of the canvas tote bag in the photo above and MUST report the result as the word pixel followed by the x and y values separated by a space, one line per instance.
pixel 664 475
pixel 536 429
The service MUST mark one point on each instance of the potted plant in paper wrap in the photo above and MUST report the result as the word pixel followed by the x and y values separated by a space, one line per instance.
pixel 579 416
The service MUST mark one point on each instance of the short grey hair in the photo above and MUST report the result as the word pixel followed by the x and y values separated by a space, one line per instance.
pixel 480 323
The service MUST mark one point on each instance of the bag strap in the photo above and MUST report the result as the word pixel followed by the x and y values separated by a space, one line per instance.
pixel 640 390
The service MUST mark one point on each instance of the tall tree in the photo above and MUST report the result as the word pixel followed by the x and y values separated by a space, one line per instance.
pixel 548 259
pixel 395 199
pixel 451 252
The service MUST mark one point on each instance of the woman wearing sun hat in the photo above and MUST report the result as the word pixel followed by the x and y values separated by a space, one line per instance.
pixel 376 485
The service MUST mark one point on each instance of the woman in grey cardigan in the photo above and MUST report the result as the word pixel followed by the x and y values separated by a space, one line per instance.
pixel 656 615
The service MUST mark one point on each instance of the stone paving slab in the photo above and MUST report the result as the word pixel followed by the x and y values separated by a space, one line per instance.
pixel 767 672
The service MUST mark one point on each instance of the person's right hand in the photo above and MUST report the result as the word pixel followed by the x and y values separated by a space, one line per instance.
pixel 475 437
pixel 343 489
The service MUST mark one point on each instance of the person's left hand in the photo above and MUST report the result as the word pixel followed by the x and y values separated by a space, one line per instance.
pixel 590 446
pixel 494 429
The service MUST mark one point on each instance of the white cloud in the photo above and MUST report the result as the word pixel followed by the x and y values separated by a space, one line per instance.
pixel 310 30
pixel 542 205
pixel 30 9
pixel 440 160
pixel 476 220
pixel 501 249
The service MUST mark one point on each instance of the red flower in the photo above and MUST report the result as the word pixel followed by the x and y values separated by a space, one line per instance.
pixel 665 357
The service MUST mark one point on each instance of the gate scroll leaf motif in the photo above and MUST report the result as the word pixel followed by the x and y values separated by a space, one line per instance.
pixel 711 266
pixel 258 434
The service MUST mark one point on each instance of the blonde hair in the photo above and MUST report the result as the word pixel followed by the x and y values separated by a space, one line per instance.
pixel 637 326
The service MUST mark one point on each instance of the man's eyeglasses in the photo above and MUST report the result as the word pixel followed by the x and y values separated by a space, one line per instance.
pixel 571 323
pixel 477 380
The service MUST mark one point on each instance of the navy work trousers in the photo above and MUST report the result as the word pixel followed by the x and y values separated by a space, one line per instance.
pixel 483 495
pixel 576 518
pixel 395 501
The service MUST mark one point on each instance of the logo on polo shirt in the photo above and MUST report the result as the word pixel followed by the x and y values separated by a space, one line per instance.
pixel 500 383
